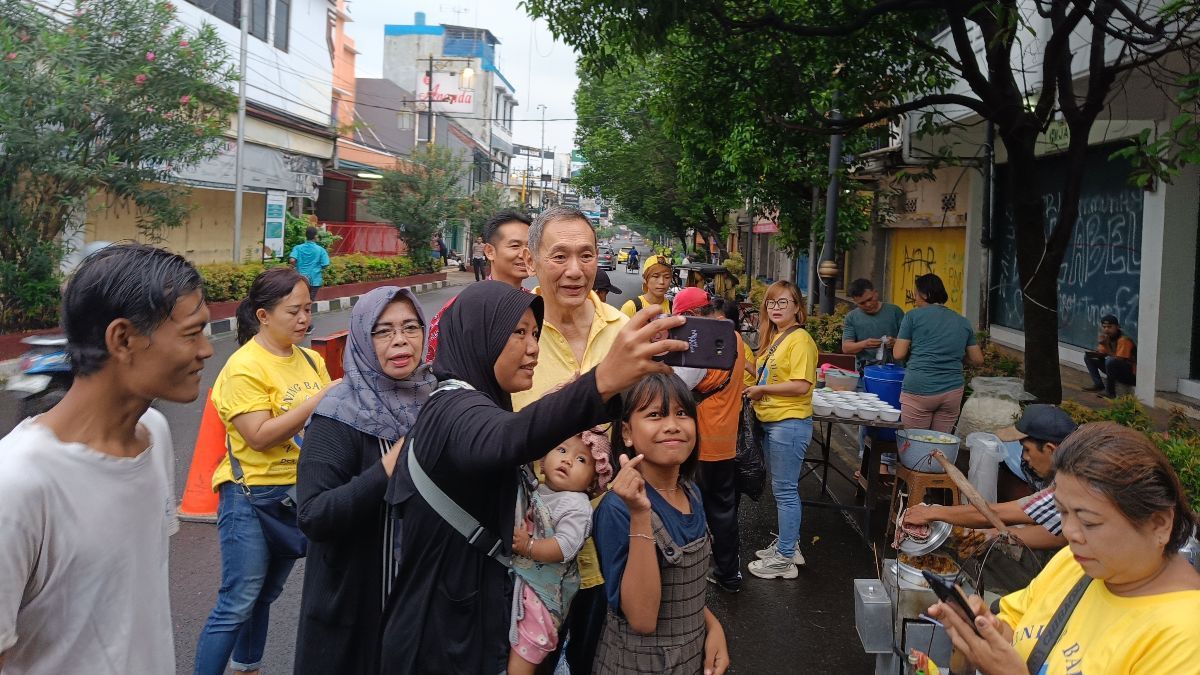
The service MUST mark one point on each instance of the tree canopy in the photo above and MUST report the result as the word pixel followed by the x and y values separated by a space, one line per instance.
pixel 109 100
pixel 759 71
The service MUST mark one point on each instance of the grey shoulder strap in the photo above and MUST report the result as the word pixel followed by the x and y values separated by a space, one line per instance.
pixel 455 516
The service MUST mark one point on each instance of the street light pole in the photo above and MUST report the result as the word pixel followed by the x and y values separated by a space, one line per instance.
pixel 429 105
pixel 542 160
pixel 828 270
pixel 238 163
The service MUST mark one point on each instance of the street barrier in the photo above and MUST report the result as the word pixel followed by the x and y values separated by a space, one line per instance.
pixel 199 503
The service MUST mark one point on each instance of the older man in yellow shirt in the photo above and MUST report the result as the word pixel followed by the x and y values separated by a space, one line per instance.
pixel 578 330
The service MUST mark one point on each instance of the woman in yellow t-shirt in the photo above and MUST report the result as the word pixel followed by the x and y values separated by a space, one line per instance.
pixel 656 281
pixel 1125 516
pixel 264 395
pixel 782 396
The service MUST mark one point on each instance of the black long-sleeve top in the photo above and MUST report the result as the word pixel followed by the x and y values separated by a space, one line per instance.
pixel 340 487
pixel 450 606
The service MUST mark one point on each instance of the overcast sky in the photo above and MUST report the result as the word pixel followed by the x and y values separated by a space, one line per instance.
pixel 541 69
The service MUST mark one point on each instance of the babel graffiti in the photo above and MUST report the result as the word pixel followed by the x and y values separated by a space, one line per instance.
pixel 1101 272
pixel 919 251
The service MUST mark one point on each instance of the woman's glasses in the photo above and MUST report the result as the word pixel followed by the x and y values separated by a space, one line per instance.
pixel 409 329
pixel 780 303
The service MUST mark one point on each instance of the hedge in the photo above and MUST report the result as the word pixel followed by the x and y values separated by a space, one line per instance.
pixel 228 281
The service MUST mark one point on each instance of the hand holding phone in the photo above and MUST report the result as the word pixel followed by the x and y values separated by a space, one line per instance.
pixel 712 343
pixel 952 596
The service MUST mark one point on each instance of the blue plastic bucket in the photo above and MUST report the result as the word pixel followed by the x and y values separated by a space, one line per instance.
pixel 884 381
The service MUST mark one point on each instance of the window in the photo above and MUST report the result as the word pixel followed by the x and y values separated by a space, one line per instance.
pixel 283 21
pixel 225 10
pixel 258 18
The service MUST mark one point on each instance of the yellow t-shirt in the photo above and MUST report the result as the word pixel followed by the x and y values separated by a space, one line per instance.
pixel 1106 634
pixel 628 309
pixel 255 379
pixel 748 377
pixel 794 359
pixel 557 365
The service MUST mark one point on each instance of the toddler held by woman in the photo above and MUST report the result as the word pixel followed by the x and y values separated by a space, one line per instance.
pixel 557 520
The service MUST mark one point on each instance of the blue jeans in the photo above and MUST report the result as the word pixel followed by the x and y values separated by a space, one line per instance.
pixel 785 442
pixel 251 579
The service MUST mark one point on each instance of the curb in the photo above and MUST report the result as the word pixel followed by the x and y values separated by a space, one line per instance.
pixel 223 326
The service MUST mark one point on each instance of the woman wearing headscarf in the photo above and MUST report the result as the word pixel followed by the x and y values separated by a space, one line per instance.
pixel 350 451
pixel 450 603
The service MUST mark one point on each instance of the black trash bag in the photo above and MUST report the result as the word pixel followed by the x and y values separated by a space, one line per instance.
pixel 750 469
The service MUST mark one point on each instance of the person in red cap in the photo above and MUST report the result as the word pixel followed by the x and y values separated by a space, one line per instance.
pixel 718 395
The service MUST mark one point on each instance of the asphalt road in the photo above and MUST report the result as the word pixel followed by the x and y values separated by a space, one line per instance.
pixel 777 626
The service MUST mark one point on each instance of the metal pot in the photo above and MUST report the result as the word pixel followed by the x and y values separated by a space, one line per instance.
pixel 914 575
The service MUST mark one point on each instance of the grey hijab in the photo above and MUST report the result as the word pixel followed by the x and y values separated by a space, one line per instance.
pixel 367 399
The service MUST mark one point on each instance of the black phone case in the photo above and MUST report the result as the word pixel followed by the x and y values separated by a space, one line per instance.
pixel 712 344
pixel 950 594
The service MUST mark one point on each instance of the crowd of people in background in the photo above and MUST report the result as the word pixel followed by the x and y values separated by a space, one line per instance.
pixel 518 481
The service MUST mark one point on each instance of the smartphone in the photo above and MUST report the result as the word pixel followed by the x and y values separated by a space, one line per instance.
pixel 953 596
pixel 712 343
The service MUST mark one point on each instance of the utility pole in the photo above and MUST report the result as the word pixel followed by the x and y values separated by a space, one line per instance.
pixel 238 168
pixel 542 156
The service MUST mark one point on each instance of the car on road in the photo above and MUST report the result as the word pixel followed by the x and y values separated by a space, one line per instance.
pixel 623 254
pixel 608 259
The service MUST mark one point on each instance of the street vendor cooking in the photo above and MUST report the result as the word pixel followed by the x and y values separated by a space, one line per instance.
pixel 1041 429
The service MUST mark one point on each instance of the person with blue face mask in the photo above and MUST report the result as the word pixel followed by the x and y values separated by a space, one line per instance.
pixel 1041 429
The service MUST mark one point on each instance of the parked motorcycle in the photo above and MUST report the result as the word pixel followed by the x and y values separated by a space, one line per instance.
pixel 44 374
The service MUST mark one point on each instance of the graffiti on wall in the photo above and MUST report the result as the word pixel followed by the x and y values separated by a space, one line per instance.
pixel 919 251
pixel 1101 271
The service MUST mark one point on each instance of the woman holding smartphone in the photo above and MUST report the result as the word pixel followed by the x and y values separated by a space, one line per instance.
pixel 782 399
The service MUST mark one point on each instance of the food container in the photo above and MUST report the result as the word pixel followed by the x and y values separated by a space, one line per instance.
pixel 910 568
pixel 841 380
pixel 873 616
pixel 916 446
pixel 889 414
pixel 822 409
pixel 842 409
pixel 867 413
pixel 939 532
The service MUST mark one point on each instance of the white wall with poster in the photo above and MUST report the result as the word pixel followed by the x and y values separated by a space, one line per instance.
pixel 273 225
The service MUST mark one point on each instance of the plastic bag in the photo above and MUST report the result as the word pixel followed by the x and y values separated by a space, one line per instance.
pixel 994 404
pixel 750 470
pixel 987 451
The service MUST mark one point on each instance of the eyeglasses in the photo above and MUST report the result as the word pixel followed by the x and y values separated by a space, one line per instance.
pixel 409 329
pixel 780 303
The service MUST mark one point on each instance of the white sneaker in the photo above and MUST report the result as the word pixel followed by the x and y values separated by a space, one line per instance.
pixel 773 567
pixel 773 550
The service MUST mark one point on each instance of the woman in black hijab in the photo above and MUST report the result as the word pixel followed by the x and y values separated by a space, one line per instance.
pixel 450 604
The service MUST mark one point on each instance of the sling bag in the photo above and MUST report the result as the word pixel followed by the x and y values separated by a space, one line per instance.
pixel 455 516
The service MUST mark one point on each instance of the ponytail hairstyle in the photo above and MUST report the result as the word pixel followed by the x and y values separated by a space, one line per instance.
pixel 769 332
pixel 268 289
pixel 1128 468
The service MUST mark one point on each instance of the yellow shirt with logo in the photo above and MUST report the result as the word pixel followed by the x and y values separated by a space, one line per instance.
pixel 255 379
pixel 557 365
pixel 794 359
pixel 748 377
pixel 1106 634
pixel 629 309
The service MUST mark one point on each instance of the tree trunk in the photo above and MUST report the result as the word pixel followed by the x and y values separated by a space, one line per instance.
pixel 1038 271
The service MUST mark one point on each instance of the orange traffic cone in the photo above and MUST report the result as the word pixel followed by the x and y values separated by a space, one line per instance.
pixel 199 503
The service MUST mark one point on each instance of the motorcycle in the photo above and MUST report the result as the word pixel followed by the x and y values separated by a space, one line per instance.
pixel 44 374
pixel 631 265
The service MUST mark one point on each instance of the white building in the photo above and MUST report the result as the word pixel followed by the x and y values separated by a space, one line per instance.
pixel 482 101
pixel 289 75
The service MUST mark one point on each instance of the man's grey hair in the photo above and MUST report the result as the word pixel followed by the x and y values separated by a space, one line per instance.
pixel 553 215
